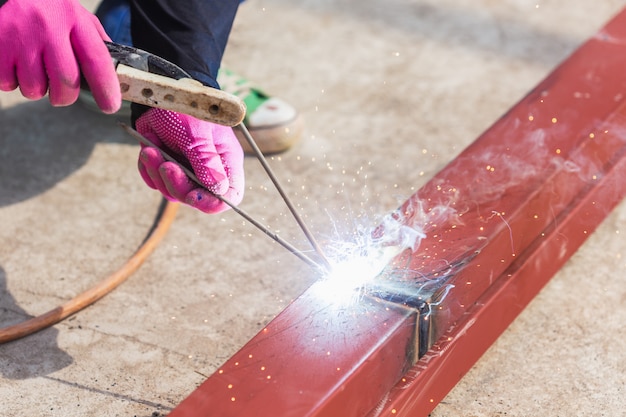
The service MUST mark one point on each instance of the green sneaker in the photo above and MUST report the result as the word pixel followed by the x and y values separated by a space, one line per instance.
pixel 273 123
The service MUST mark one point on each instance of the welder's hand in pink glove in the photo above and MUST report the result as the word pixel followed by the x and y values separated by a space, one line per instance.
pixel 212 151
pixel 44 45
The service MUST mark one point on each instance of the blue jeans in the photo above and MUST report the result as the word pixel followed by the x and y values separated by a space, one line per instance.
pixel 198 49
pixel 115 17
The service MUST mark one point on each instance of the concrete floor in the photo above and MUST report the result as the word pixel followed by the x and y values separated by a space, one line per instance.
pixel 391 90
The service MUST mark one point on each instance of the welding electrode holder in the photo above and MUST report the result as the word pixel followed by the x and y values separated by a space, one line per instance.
pixel 152 81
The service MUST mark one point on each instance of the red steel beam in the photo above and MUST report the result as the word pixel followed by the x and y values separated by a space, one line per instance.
pixel 462 343
pixel 516 180
pixel 305 357
pixel 500 220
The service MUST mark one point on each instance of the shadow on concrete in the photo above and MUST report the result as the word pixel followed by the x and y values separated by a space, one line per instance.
pixel 30 357
pixel 41 145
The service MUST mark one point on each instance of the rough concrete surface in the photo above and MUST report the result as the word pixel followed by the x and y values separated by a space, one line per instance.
pixel 391 90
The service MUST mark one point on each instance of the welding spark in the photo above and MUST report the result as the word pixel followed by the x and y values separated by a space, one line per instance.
pixel 355 265
pixel 352 273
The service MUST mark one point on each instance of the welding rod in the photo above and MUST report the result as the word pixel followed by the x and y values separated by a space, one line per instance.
pixel 244 130
pixel 132 132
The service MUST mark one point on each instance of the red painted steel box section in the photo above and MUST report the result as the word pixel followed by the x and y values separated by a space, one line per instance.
pixel 500 219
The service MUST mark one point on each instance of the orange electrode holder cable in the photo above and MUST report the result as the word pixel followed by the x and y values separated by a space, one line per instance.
pixel 520 201
pixel 162 224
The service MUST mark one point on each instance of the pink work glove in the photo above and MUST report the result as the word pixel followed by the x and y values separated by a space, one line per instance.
pixel 44 46
pixel 212 151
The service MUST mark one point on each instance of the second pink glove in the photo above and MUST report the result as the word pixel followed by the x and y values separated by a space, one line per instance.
pixel 46 44
pixel 213 153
